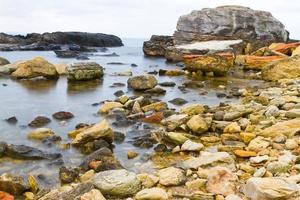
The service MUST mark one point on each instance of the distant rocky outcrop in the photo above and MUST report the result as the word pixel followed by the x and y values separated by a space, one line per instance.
pixel 54 41
pixel 202 30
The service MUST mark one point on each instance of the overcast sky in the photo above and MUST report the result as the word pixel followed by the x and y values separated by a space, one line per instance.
pixel 125 18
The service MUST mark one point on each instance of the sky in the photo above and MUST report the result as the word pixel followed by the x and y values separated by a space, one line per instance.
pixel 125 18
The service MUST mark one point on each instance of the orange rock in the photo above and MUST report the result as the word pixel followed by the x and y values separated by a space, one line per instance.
pixel 95 164
pixel 6 196
pixel 285 48
pixel 258 62
pixel 154 118
pixel 244 154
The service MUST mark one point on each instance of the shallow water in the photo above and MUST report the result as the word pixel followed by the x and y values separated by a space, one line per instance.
pixel 28 99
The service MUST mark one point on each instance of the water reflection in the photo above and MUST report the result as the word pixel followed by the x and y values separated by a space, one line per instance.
pixel 41 85
pixel 83 86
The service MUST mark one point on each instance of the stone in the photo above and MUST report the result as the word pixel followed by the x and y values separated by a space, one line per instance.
pixel 293 113
pixel 152 194
pixel 155 91
pixel 107 106
pixel 208 159
pixel 87 176
pixel 230 22
pixel 171 176
pixel 291 144
pixel 288 128
pixel 12 120
pixel 253 62
pixel 83 71
pixel 61 68
pixel 40 134
pixel 3 61
pixel 191 146
pixel 247 137
pixel 13 184
pixel 278 167
pixel 270 188
pixel 142 82
pixel 158 106
pixel 148 180
pixel 156 117
pixel 284 48
pixel 175 138
pixel 119 183
pixel 197 124
pixel 197 184
pixel 221 180
pixel 178 101
pixel 132 154
pixel 260 172
pixel 285 68
pixel 258 144
pixel 244 154
pixel 174 121
pixel 219 64
pixel 6 196
pixel 272 111
pixel 93 195
pixel 62 115
pixel 259 159
pixel 39 121
pixel 97 131
pixel 232 128
pixel 233 197
pixel 157 45
pixel 67 175
pixel 192 109
pixel 36 67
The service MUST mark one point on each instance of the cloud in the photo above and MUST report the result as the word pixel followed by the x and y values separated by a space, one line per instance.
pixel 126 18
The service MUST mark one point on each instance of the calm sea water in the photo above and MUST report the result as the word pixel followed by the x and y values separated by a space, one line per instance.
pixel 27 99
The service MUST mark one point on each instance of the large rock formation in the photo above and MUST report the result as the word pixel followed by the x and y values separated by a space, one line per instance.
pixel 52 41
pixel 229 22
pixel 157 45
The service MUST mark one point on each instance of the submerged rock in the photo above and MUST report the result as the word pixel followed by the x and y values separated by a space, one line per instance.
pixel 36 67
pixel 39 121
pixel 62 115
pixel 142 82
pixel 83 71
pixel 119 183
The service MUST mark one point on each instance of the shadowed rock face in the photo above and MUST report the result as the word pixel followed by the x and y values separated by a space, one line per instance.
pixel 229 22
pixel 79 38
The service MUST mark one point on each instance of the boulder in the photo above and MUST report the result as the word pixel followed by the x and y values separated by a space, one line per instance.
pixel 13 184
pixel 230 22
pixel 142 82
pixel 36 67
pixel 219 64
pixel 198 124
pixel 3 61
pixel 40 134
pixel 157 45
pixel 39 121
pixel 288 68
pixel 171 176
pixel 97 131
pixel 107 106
pixel 288 128
pixel 119 183
pixel 83 71
pixel 152 194
pixel 270 188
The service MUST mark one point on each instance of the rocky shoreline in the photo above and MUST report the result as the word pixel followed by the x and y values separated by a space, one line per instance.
pixel 246 150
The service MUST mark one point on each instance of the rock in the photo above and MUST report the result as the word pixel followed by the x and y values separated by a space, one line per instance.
pixel 174 121
pixel 97 131
pixel 142 82
pixel 157 45
pixel 178 101
pixel 9 68
pixel 221 180
pixel 232 128
pixel 12 120
pixel 260 172
pixel 40 134
pixel 244 154
pixel 67 175
pixel 270 188
pixel 36 67
pixel 3 147
pixel 197 124
pixel 93 195
pixel 148 180
pixel 272 111
pixel 252 62
pixel 158 106
pixel 284 48
pixel 175 138
pixel 278 167
pixel 171 176
pixel 155 91
pixel 26 152
pixel 167 84
pixel 293 113
pixel 288 128
pixel 156 117
pixel 207 159
pixel 62 115
pixel 296 51
pixel 258 144
pixel 13 184
pixel 66 53
pixel 291 144
pixel 77 38
pixel 6 196
pixel 230 22
pixel 132 154
pixel 107 106
pixel 83 71
pixel 285 68
pixel 191 146
pixel 119 183
pixel 3 61
pixel 152 194
pixel 192 109
pixel 219 64
pixel 100 160
pixel 259 159
pixel 61 68
pixel 247 137
pixel 39 121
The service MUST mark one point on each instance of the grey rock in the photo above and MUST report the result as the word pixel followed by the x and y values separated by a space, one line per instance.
pixel 82 71
pixel 142 82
